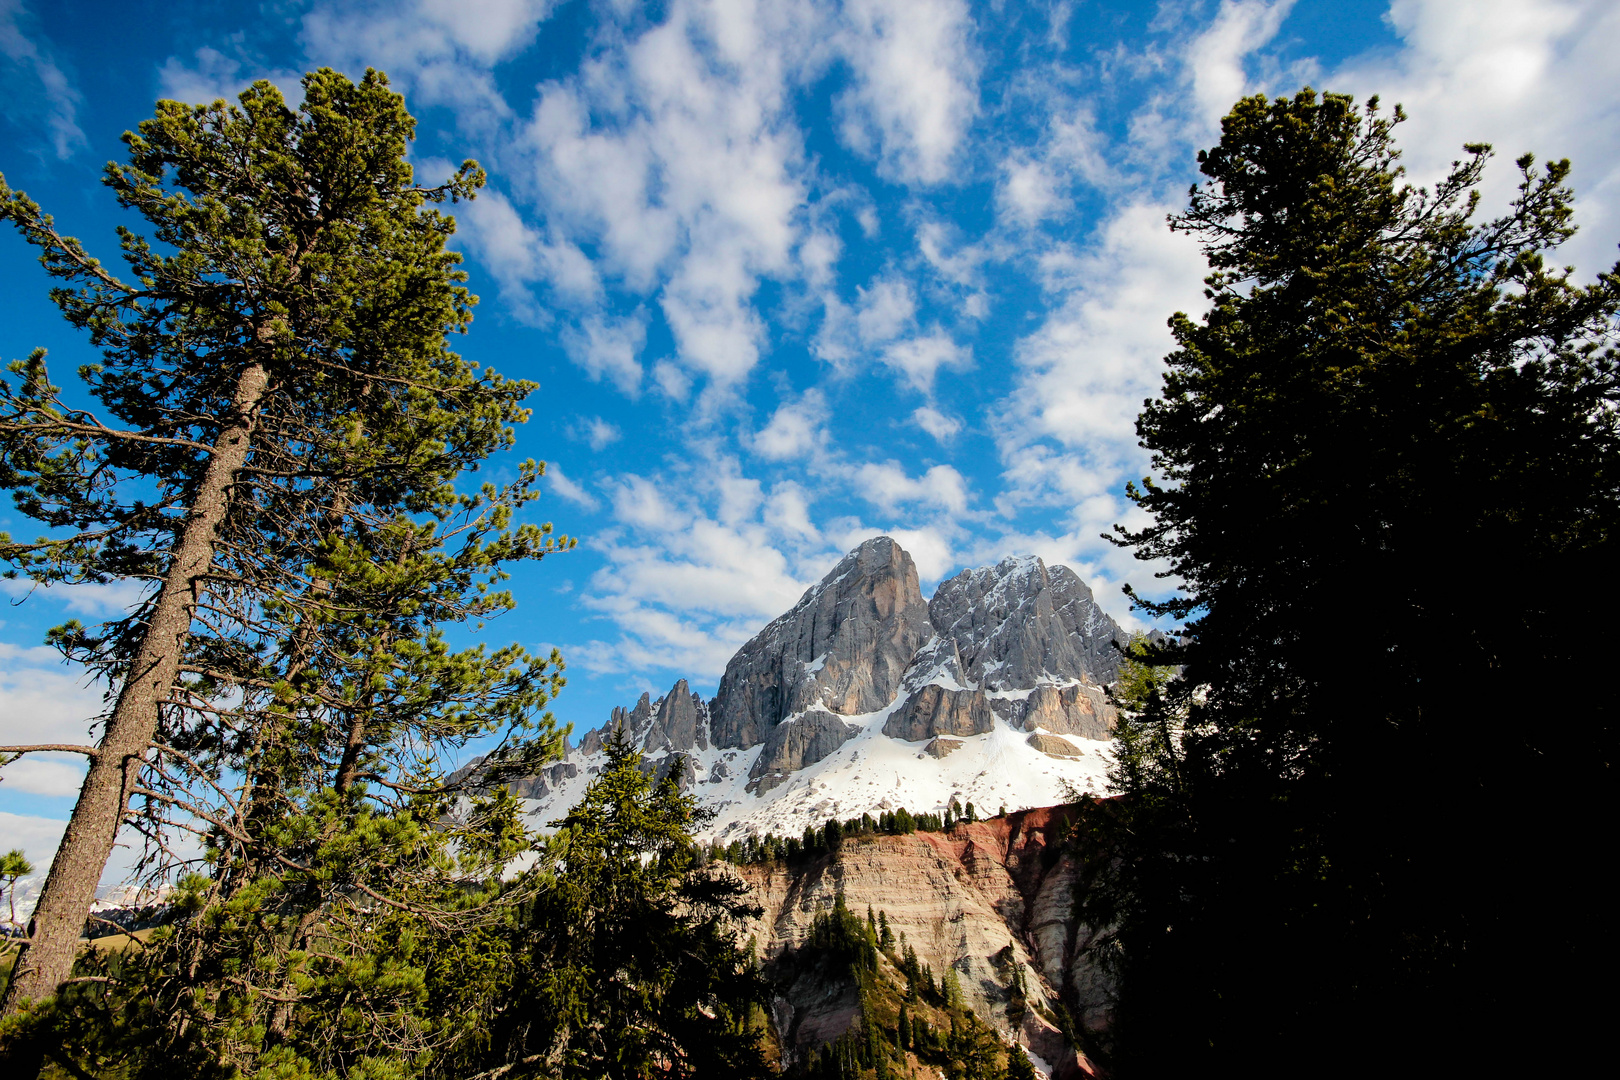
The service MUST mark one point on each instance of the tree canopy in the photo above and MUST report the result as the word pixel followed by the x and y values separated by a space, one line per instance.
pixel 281 423
pixel 1389 470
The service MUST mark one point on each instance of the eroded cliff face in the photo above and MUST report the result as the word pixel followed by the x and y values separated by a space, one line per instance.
pixel 984 899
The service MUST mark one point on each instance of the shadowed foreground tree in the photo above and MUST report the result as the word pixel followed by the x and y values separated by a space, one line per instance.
pixel 283 420
pixel 1367 816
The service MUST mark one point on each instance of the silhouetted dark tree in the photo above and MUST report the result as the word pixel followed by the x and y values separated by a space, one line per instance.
pixel 1368 811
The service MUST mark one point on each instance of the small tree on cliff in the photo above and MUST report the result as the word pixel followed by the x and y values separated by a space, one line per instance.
pixel 276 362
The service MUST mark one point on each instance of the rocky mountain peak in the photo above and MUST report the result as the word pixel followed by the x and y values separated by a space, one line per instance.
pixel 864 697
pixel 1019 622
pixel 842 649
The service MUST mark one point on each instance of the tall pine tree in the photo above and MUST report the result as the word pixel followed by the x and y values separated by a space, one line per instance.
pixel 277 396
pixel 1367 811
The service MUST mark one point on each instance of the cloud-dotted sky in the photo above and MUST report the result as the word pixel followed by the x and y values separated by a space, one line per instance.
pixel 792 273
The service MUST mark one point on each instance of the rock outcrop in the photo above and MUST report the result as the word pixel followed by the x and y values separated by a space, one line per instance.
pixel 680 721
pixel 795 743
pixel 982 899
pixel 1017 639
pixel 843 647
pixel 938 710
pixel 1076 709
pixel 1053 746
pixel 1020 622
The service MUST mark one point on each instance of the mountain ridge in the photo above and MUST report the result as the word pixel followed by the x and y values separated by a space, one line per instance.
pixel 865 696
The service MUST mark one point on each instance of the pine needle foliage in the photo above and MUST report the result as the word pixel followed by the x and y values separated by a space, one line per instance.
pixel 627 963
pixel 1389 462
pixel 281 427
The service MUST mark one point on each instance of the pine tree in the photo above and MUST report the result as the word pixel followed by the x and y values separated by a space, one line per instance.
pixel 14 864
pixel 1019 1067
pixel 1389 408
pixel 307 710
pixel 627 963
pixel 275 366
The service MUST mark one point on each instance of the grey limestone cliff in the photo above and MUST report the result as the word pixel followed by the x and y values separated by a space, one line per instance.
pixel 1020 622
pixel 937 710
pixel 1029 639
pixel 1076 709
pixel 844 647
pixel 680 722
pixel 798 742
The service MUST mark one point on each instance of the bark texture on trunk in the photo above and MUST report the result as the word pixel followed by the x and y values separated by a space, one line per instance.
pixel 70 888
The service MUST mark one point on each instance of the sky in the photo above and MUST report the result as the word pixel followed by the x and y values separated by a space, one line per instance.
pixel 790 274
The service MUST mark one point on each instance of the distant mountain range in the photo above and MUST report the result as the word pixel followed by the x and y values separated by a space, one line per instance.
pixel 865 697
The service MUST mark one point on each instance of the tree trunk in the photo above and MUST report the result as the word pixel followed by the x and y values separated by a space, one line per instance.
pixel 47 957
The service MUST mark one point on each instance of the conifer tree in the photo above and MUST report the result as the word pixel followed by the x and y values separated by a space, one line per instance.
pixel 1389 454
pixel 282 418
pixel 627 963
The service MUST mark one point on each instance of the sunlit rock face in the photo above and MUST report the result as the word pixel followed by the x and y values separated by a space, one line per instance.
pixel 937 710
pixel 680 721
pixel 797 742
pixel 844 647
pixel 982 899
pixel 1021 623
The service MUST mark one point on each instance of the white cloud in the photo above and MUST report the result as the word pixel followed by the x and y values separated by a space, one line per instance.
pixel 41 774
pixel 1215 58
pixel 441 51
pixel 568 489
pixel 915 84
pixel 673 154
pixel 942 427
pixel 956 262
pixel 1035 182
pixel 795 429
pixel 919 359
pixel 599 433
pixel 698 586
pixel 43 699
pixel 519 256
pixel 884 311
pixel 640 502
pixel 889 487
pixel 212 74
pixel 1029 191
pixel 672 380
pixel 40 85
pixel 38 837
pixel 1066 432
pixel 110 600
pixel 1085 372
pixel 1524 75
pixel 787 513
pixel 607 348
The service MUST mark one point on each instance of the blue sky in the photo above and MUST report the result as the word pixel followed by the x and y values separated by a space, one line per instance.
pixel 791 273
